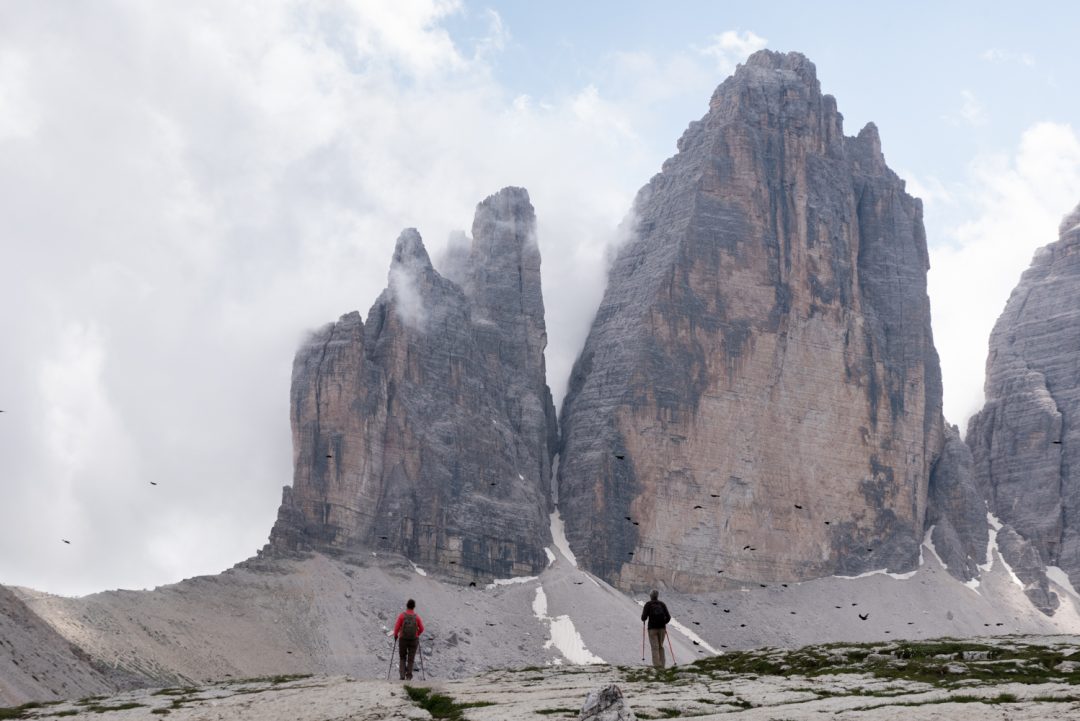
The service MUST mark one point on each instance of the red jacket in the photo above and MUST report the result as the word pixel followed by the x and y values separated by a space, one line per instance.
pixel 401 620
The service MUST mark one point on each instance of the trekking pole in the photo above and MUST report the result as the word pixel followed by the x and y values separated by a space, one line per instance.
pixel 392 649
pixel 643 642
pixel 673 662
pixel 420 648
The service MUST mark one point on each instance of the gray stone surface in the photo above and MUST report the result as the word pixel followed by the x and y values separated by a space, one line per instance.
pixel 1026 439
pixel 606 704
pixel 1029 566
pixel 955 510
pixel 428 430
pixel 38 664
pixel 763 343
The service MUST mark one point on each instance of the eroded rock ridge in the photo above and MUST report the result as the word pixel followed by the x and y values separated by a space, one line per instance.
pixel 759 397
pixel 1026 439
pixel 428 430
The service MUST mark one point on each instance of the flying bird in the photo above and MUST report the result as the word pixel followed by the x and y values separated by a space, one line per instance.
pixel 329 456
pixel 863 617
pixel 763 585
pixel 714 495
pixel 384 538
pixel 153 483
pixel 472 584
pixel 798 506
pixel 620 456
pixel 742 625
pixel 695 643
pixel 792 613
pixel 727 610
pixel 828 522
pixel 696 623
pixel 697 507
pixel 66 541
pixel 631 553
pixel 628 518
pixel 719 571
pixel 784 585
pixel 1056 443
pixel 745 548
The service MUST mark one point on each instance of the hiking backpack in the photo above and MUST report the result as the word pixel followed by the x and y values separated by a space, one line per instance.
pixel 408 627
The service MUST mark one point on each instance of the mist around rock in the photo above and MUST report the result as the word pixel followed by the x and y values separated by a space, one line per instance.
pixel 753 427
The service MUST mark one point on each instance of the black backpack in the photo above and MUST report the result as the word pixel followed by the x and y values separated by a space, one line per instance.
pixel 658 614
pixel 408 627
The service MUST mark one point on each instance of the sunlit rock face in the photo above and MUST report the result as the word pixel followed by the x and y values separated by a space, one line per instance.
pixel 428 429
pixel 759 393
pixel 1026 439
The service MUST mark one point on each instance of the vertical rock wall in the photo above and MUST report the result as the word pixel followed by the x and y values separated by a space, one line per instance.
pixel 1026 439
pixel 428 430
pixel 759 397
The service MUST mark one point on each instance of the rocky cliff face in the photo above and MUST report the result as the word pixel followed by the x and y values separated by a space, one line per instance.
pixel 759 397
pixel 1026 439
pixel 428 430
pixel 956 515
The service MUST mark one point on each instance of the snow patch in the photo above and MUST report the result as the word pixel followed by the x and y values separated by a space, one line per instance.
pixel 928 541
pixel 693 637
pixel 881 572
pixel 511 581
pixel 558 535
pixel 564 637
pixel 521 477
pixel 567 640
pixel 992 546
pixel 1058 576
pixel 419 570
pixel 550 555
pixel 539 604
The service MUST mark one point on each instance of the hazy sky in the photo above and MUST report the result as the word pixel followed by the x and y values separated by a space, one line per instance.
pixel 187 188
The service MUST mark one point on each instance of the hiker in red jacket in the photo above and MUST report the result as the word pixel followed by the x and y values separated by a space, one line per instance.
pixel 407 632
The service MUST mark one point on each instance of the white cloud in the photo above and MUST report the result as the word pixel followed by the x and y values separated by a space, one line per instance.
pixel 930 189
pixel 730 48
pixel 996 55
pixel 971 110
pixel 188 190
pixel 1018 200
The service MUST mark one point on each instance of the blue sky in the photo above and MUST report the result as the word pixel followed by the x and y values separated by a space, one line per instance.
pixel 186 189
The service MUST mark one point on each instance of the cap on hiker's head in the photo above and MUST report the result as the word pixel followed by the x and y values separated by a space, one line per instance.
pixel 410 604
pixel 654 595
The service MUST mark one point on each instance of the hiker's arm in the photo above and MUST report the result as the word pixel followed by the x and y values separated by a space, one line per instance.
pixel 644 612
pixel 419 625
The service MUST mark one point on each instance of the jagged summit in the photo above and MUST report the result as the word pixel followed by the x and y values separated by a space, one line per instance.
pixel 410 250
pixel 758 392
pixel 427 431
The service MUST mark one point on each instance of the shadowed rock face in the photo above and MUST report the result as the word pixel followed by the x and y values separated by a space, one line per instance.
pixel 1026 439
pixel 764 342
pixel 428 430
pixel 955 510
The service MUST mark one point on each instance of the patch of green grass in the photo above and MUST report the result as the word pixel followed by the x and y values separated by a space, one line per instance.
pixel 20 711
pixel 441 706
pixel 553 711
pixel 176 691
pixel 281 678
pixel 161 711
pixel 96 708
pixel 668 712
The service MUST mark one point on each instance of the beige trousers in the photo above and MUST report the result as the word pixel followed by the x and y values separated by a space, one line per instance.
pixel 656 643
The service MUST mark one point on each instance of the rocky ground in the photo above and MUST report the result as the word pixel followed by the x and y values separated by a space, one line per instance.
pixel 326 619
pixel 1010 677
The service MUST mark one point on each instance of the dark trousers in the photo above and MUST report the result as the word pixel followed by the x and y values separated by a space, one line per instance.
pixel 406 654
